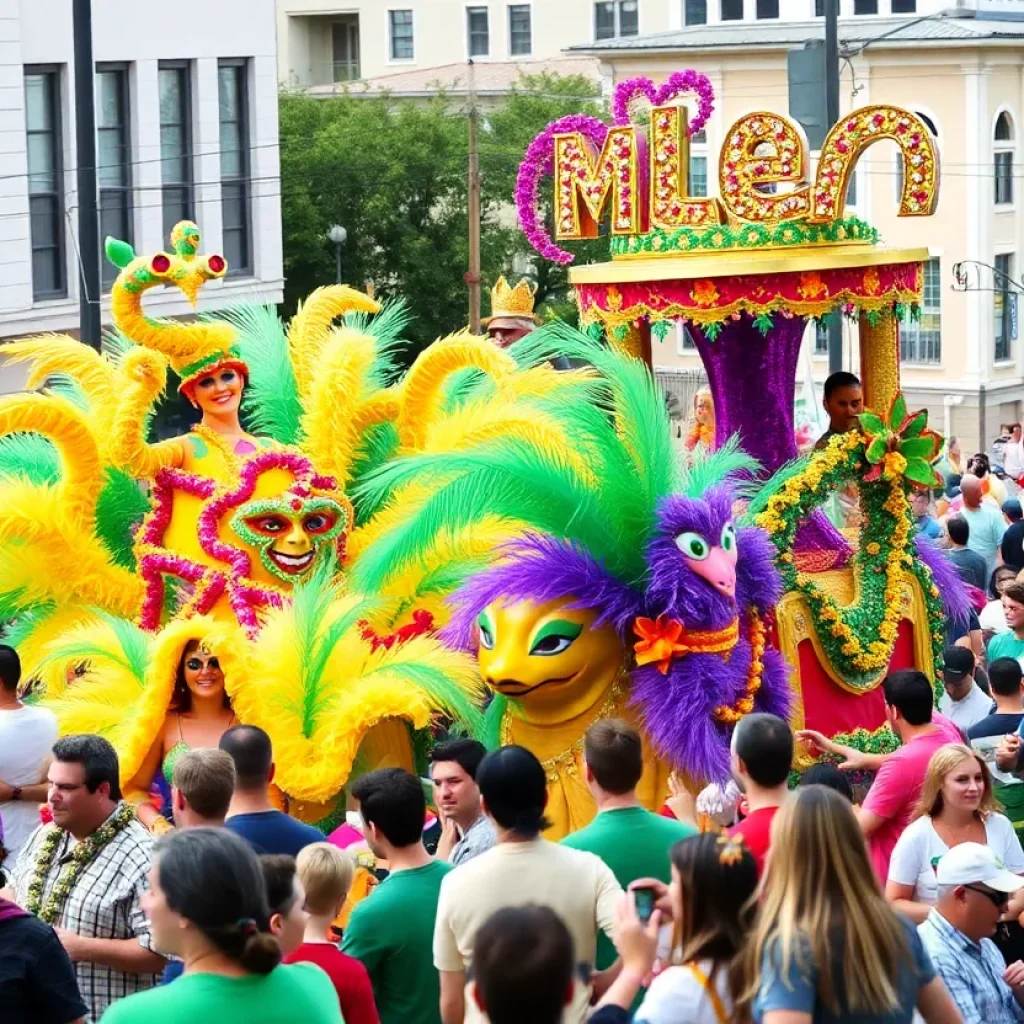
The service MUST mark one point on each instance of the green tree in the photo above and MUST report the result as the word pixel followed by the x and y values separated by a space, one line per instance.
pixel 394 174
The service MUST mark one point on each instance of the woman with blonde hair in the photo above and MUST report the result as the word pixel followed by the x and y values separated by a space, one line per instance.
pixel 956 806
pixel 827 947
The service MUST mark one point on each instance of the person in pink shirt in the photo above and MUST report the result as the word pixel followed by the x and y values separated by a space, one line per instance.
pixel 886 811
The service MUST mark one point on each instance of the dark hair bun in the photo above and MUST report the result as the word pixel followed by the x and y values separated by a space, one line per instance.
pixel 261 953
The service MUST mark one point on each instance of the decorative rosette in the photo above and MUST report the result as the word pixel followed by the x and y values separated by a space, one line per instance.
pixel 901 446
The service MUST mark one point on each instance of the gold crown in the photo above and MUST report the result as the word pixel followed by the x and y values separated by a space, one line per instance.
pixel 506 301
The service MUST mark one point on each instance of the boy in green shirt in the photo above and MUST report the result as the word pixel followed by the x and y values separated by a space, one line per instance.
pixel 392 931
pixel 631 840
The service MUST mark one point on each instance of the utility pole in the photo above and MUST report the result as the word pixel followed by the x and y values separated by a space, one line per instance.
pixel 835 320
pixel 88 208
pixel 473 276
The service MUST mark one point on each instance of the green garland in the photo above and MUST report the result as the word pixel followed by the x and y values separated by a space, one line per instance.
pixel 840 628
pixel 881 741
pixel 722 237
pixel 68 875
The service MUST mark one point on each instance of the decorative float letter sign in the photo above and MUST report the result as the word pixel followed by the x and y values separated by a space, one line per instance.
pixel 594 165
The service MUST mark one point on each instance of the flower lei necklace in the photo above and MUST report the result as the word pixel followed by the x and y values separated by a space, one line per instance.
pixel 83 854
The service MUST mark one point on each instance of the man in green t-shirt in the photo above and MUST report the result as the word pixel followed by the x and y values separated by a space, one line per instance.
pixel 631 840
pixel 1010 644
pixel 392 931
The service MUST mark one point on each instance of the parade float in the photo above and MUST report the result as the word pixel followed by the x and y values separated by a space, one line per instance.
pixel 747 272
pixel 147 581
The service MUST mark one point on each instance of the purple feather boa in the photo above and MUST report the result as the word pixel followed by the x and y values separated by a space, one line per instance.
pixel 540 568
pixel 952 590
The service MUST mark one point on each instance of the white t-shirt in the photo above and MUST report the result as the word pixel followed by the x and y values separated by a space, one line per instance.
pixel 577 886
pixel 919 849
pixel 677 995
pixel 27 736
pixel 965 713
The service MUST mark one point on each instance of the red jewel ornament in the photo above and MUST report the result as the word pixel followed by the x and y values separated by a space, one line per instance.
pixel 216 263
pixel 161 263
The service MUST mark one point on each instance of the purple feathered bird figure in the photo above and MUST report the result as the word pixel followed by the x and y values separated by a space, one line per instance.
pixel 710 576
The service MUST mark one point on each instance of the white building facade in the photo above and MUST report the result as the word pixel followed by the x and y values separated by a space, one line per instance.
pixel 186 116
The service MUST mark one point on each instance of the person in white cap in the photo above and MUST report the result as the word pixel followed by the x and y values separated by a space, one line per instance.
pixel 974 890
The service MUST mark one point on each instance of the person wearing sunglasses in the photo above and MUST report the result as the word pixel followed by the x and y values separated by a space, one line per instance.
pixel 974 889
pixel 198 715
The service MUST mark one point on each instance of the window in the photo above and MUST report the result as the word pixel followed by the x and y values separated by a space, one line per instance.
pixel 865 6
pixel 1004 295
pixel 851 189
pixel 616 18
pixel 479 37
pixel 113 159
pixel 520 30
pixel 45 174
pixel 1003 159
pixel 686 342
pixel 345 49
pixel 698 176
pixel 401 35
pixel 904 6
pixel 921 340
pixel 819 8
pixel 234 164
pixel 695 12
pixel 821 337
pixel 732 10
pixel 699 164
pixel 176 143
pixel 767 9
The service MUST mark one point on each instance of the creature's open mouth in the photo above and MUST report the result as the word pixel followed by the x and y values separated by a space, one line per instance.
pixel 293 564
pixel 512 688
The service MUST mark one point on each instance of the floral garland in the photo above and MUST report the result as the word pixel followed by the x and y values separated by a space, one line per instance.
pixel 539 161
pixel 882 741
pixel 720 237
pixel 50 910
pixel 884 558
pixel 627 92
pixel 731 714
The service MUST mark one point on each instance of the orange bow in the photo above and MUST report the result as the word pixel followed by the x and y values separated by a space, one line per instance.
pixel 663 639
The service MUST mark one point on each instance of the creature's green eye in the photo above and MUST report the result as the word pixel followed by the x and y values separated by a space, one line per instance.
pixel 728 537
pixel 693 545
pixel 554 637
pixel 486 629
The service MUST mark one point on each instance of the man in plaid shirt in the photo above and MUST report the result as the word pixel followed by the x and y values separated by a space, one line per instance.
pixel 100 921
pixel 974 892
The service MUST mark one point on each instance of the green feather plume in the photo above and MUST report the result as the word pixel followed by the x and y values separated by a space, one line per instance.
pixel 29 456
pixel 388 328
pixel 131 653
pixel 120 508
pixel 272 405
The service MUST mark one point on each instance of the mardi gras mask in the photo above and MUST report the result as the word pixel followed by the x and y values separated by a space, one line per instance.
pixel 549 657
pixel 290 533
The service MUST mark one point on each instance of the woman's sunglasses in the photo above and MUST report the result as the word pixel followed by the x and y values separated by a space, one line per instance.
pixel 196 664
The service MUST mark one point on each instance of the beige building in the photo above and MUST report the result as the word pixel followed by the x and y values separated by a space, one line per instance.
pixel 965 75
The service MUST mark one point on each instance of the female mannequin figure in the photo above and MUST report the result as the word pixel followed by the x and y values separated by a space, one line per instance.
pixel 199 714
pixel 702 430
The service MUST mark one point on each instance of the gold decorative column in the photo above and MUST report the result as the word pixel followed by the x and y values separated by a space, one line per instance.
pixel 635 343
pixel 879 359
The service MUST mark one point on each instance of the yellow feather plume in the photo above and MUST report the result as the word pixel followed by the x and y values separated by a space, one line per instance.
pixel 50 354
pixel 307 332
pixel 50 676
pixel 47 556
pixel 314 752
pixel 330 423
pixel 423 384
pixel 68 428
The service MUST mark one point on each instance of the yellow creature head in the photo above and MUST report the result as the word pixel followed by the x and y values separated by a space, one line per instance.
pixel 548 657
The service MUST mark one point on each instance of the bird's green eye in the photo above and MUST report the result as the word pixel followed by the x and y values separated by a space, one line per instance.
pixel 693 545
pixel 486 630
pixel 728 541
